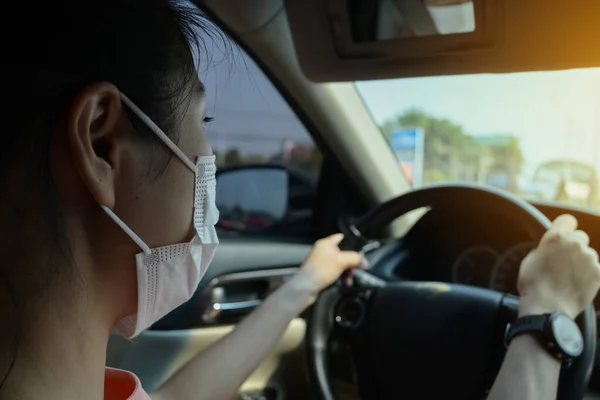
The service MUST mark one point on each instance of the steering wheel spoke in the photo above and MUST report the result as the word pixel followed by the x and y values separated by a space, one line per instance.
pixel 509 309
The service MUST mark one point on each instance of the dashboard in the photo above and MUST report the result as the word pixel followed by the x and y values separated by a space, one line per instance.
pixel 473 247
pixel 483 266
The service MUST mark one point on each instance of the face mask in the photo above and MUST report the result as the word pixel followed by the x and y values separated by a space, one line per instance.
pixel 456 18
pixel 168 276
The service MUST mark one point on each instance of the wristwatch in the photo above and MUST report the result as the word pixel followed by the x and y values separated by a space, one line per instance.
pixel 557 332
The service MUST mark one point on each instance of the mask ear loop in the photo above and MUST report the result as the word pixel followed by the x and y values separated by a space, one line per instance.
pixel 128 230
pixel 158 132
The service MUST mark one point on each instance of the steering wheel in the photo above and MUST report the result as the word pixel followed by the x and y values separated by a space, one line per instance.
pixel 429 340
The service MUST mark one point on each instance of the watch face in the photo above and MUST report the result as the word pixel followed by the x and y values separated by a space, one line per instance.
pixel 567 335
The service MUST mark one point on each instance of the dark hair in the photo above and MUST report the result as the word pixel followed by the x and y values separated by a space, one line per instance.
pixel 144 47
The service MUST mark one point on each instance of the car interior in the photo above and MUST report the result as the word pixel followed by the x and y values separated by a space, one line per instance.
pixel 305 148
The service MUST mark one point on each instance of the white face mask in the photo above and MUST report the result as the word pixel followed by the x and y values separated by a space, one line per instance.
pixel 455 18
pixel 168 276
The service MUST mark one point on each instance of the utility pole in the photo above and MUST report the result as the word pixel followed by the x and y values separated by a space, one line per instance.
pixel 595 197
pixel 287 147
pixel 596 132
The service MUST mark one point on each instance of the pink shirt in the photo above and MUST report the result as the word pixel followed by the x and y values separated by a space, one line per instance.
pixel 122 385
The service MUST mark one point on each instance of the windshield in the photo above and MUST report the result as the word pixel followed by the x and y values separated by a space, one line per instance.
pixel 535 134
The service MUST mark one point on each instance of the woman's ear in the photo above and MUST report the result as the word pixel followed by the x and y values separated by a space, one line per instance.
pixel 92 134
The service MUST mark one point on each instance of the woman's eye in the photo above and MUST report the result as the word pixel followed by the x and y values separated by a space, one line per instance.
pixel 207 120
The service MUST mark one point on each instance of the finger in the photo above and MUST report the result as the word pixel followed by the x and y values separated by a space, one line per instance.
pixel 582 238
pixel 594 254
pixel 563 223
pixel 336 239
pixel 528 257
pixel 350 259
pixel 364 263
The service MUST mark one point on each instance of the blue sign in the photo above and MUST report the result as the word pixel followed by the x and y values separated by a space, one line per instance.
pixel 405 139
pixel 408 144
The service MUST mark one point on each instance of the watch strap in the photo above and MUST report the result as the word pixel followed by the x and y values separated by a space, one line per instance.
pixel 540 327
pixel 527 324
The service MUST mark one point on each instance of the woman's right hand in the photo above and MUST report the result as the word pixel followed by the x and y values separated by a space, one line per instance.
pixel 561 274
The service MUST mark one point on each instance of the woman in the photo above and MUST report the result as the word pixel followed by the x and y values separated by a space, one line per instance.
pixel 108 213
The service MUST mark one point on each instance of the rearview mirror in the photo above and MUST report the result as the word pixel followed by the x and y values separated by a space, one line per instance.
pixel 403 19
pixel 265 199
pixel 347 40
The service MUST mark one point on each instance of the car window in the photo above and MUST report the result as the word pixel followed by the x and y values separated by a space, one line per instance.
pixel 535 134
pixel 268 163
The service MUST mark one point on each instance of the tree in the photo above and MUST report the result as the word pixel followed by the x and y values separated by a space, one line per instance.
pixel 452 154
pixel 508 158
pixel 312 162
pixel 449 154
pixel 232 157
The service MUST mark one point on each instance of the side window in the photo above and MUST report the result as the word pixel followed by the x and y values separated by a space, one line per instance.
pixel 268 164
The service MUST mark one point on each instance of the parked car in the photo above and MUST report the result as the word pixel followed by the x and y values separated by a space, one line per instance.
pixel 567 181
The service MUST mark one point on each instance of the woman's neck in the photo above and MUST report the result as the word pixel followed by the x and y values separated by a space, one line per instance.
pixel 60 355
pixel 64 317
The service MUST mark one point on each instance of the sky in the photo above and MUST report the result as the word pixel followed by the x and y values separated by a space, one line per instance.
pixel 555 114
